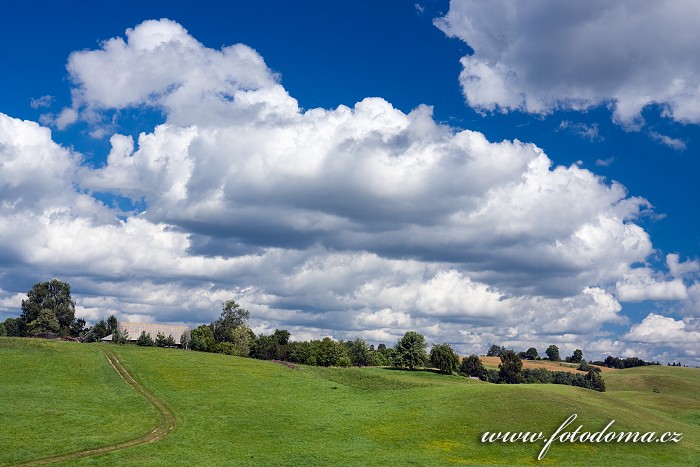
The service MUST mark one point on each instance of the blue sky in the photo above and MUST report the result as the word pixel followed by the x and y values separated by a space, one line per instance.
pixel 331 174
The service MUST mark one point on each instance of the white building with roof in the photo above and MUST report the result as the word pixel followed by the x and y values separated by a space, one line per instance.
pixel 135 330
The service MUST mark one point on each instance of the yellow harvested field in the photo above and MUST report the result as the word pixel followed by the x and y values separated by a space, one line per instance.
pixel 493 362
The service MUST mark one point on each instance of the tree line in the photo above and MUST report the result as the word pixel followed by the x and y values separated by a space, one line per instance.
pixel 510 371
pixel 231 335
pixel 49 311
pixel 552 353
pixel 620 363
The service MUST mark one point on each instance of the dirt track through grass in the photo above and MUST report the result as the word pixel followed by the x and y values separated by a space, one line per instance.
pixel 166 424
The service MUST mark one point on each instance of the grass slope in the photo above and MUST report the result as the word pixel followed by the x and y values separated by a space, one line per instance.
pixel 673 392
pixel 236 411
pixel 60 397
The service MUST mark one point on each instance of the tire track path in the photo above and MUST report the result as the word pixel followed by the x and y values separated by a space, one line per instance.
pixel 166 424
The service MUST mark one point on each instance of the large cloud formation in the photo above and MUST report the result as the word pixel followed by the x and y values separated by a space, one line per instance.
pixel 539 56
pixel 348 221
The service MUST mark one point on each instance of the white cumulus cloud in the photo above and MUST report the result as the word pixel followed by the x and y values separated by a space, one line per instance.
pixel 539 56
pixel 640 284
pixel 360 220
pixel 367 178
pixel 658 329
pixel 160 64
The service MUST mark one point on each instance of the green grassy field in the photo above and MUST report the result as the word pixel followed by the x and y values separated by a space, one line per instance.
pixel 236 411
pixel 60 397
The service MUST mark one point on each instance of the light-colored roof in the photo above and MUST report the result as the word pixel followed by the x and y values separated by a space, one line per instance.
pixel 135 330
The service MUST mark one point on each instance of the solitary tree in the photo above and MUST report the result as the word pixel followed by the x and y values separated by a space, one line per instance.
pixel 595 381
pixel 576 357
pixel 472 366
pixel 360 355
pixel 409 351
pixel 510 369
pixel 553 353
pixel 185 340
pixel 112 324
pixel 531 354
pixel 444 358
pixel 145 340
pixel 169 341
pixel 53 296
pixel 495 351
pixel 120 337
pixel 160 339
pixel 232 316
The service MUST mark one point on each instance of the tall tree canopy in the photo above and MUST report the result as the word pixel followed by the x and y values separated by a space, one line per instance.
pixel 531 354
pixel 553 353
pixel 472 366
pixel 359 352
pixel 46 300
pixel 444 358
pixel 510 369
pixel 232 316
pixel 495 351
pixel 409 351
pixel 576 357
pixel 112 324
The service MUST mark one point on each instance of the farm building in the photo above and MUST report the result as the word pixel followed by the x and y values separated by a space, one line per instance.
pixel 135 330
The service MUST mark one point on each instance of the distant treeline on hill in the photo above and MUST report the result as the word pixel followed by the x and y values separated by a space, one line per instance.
pixel 620 363
pixel 590 380
pixel 49 311
pixel 511 371
pixel 231 335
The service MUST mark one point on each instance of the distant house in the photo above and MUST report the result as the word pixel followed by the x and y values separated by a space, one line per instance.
pixel 135 330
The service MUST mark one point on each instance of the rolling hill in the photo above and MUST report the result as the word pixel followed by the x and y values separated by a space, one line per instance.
pixel 61 397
